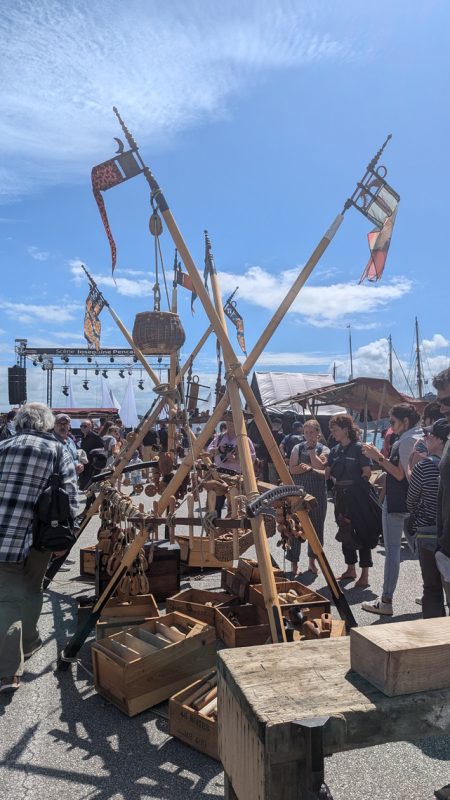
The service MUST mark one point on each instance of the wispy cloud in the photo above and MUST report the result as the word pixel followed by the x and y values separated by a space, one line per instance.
pixel 318 305
pixel 268 359
pixel 38 255
pixel 81 61
pixel 124 286
pixel 27 313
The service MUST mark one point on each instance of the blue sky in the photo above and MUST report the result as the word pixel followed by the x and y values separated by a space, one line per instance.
pixel 257 119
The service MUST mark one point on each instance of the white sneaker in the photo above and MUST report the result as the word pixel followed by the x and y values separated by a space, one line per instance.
pixel 443 565
pixel 378 607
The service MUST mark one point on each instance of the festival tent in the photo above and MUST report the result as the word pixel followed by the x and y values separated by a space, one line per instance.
pixel 108 398
pixel 275 390
pixel 376 395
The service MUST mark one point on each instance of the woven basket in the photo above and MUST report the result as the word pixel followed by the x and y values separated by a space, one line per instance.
pixel 223 548
pixel 158 333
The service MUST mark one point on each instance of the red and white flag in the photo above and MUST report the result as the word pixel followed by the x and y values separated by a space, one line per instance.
pixel 379 241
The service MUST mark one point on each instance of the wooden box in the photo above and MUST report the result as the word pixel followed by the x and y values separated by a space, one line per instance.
pixel 189 725
pixel 307 598
pixel 265 699
pixel 140 667
pixel 193 603
pixel 234 583
pixel 403 657
pixel 248 568
pixel 117 615
pixel 253 627
pixel 199 555
pixel 88 559
pixel 163 572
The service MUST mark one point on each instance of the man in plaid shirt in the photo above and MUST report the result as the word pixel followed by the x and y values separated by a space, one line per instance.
pixel 27 461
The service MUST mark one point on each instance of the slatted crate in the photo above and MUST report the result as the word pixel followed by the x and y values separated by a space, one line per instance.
pixel 140 667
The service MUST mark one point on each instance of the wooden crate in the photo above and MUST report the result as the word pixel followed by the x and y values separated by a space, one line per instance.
pixel 317 603
pixel 234 583
pixel 87 560
pixel 190 726
pixel 253 629
pixel 403 657
pixel 199 555
pixel 135 669
pixel 248 568
pixel 193 603
pixel 117 615
pixel 163 573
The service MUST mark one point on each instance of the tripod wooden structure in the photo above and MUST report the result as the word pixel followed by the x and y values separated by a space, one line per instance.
pixel 237 384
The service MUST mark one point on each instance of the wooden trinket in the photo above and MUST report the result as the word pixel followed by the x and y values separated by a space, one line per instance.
pixel 242 626
pixel 143 666
pixel 193 726
pixel 118 615
pixel 293 594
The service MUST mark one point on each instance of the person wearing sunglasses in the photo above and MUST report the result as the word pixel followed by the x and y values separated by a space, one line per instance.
pixel 403 420
pixel 441 383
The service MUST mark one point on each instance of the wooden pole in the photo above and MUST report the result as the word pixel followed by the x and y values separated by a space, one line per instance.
pixel 263 340
pixel 171 431
pixel 250 486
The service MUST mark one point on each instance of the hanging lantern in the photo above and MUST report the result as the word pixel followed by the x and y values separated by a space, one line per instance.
pixel 158 333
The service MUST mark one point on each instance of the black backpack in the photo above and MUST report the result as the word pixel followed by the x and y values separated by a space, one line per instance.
pixel 53 524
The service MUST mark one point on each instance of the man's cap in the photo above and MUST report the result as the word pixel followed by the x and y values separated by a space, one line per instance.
pixel 440 429
pixel 62 418
pixel 297 425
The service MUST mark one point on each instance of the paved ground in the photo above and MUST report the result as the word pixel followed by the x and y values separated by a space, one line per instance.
pixel 59 739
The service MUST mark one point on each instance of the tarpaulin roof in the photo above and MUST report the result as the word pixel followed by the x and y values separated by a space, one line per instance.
pixel 379 394
pixel 275 389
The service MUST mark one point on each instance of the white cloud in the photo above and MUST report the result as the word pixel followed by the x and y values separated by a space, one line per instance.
pixel 166 66
pixel 438 342
pixel 318 305
pixel 28 313
pixel 38 255
pixel 268 359
pixel 124 286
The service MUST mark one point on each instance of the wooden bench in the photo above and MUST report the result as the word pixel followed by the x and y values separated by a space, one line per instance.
pixel 283 707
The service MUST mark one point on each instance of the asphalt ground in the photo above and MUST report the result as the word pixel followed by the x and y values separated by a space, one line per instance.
pixel 60 739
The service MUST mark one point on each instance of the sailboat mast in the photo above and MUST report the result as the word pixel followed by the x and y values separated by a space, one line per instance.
pixel 351 352
pixel 391 374
pixel 418 363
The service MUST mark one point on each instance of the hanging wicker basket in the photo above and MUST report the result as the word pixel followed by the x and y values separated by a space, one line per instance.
pixel 158 333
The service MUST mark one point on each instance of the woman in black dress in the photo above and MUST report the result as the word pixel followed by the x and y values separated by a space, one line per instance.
pixel 357 515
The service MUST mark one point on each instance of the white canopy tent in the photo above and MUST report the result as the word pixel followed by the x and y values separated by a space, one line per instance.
pixel 272 389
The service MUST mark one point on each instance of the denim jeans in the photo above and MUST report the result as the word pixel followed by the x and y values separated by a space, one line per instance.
pixel 20 608
pixel 393 525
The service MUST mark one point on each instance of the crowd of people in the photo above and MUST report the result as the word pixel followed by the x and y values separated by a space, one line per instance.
pixel 412 502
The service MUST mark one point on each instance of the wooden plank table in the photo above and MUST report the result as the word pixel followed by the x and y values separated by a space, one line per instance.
pixel 283 707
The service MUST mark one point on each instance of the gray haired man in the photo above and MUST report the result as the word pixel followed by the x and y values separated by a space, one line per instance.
pixel 26 463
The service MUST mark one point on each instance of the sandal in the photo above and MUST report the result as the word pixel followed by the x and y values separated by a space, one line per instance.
pixel 347 576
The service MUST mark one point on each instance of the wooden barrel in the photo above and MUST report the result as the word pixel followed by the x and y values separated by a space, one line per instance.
pixel 158 333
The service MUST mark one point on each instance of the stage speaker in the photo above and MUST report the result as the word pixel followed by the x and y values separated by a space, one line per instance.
pixel 17 385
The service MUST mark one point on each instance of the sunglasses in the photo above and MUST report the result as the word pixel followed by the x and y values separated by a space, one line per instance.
pixel 444 401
